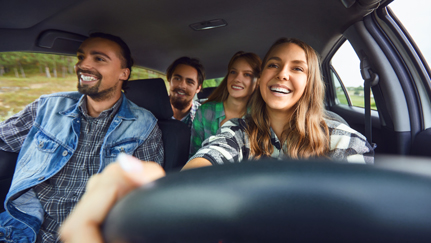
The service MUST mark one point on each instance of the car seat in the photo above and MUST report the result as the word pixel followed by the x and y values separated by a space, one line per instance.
pixel 152 95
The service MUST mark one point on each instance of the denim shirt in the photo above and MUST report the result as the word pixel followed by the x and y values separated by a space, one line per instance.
pixel 50 144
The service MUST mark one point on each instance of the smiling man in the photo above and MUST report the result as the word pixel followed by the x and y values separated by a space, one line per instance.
pixel 185 76
pixel 65 138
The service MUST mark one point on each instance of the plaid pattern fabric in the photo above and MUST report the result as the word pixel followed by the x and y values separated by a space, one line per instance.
pixel 191 116
pixel 231 144
pixel 60 193
pixel 206 123
pixel 14 130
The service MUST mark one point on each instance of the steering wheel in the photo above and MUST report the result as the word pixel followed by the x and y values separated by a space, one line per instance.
pixel 276 201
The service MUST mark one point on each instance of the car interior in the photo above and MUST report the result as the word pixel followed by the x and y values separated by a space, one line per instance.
pixel 393 70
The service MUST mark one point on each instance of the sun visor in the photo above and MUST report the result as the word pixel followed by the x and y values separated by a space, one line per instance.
pixel 60 41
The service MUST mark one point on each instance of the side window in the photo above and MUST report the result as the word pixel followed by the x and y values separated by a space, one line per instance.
pixel 24 77
pixel 346 77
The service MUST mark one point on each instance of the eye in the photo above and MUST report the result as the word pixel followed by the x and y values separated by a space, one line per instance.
pixel 80 57
pixel 272 65
pixel 191 82
pixel 299 69
pixel 232 72
pixel 248 75
pixel 99 59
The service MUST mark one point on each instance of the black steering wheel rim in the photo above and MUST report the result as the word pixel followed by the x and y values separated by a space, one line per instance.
pixel 276 201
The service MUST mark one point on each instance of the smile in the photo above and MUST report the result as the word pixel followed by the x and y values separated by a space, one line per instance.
pixel 236 87
pixel 280 90
pixel 87 78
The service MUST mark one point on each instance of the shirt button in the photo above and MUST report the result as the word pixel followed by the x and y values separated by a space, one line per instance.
pixel 40 144
pixel 41 178
pixel 64 152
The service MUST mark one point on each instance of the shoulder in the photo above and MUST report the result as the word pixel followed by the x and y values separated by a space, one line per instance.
pixel 74 95
pixel 196 104
pixel 209 105
pixel 209 109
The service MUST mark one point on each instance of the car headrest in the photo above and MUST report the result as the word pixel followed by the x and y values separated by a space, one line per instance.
pixel 152 95
pixel 276 201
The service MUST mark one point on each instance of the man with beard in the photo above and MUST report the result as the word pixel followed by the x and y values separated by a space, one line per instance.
pixel 65 138
pixel 185 76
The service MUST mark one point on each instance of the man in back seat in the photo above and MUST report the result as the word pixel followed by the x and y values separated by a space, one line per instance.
pixel 185 76
pixel 65 138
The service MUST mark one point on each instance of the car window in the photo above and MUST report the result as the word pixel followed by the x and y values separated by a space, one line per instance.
pixel 346 77
pixel 418 25
pixel 212 82
pixel 26 76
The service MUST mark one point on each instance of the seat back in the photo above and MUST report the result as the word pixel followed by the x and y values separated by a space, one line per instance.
pixel 152 95
pixel 7 168
pixel 205 93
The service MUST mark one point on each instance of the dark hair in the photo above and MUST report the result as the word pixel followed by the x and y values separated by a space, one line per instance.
pixel 221 93
pixel 192 62
pixel 126 56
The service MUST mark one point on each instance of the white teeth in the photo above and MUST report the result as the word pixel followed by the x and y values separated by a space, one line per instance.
pixel 181 93
pixel 237 87
pixel 88 78
pixel 281 90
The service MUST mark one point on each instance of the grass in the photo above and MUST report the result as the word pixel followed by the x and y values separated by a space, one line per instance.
pixel 16 93
pixel 356 100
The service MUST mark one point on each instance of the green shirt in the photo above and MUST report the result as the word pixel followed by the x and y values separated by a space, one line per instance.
pixel 206 123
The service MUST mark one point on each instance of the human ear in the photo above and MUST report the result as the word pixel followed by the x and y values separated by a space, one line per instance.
pixel 125 74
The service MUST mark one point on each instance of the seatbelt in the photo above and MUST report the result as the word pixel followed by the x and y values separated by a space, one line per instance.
pixel 370 79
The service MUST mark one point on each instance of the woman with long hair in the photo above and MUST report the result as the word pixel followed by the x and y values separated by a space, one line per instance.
pixel 287 116
pixel 229 100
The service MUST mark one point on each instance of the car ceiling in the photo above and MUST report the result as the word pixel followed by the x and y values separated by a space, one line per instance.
pixel 158 31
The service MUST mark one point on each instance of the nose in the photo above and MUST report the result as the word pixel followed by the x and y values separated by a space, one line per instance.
pixel 83 64
pixel 283 74
pixel 182 83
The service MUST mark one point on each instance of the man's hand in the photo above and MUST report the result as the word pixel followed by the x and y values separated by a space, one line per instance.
pixel 102 192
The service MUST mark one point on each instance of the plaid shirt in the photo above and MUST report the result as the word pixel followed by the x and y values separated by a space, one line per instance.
pixel 60 193
pixel 231 144
pixel 188 119
pixel 206 123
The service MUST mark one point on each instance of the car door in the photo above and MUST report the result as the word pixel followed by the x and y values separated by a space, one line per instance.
pixel 400 97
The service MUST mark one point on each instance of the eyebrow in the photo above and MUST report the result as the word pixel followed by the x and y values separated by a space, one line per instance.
pixel 294 61
pixel 94 53
pixel 247 71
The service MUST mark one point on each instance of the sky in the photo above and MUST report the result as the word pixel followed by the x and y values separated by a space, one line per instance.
pixel 416 18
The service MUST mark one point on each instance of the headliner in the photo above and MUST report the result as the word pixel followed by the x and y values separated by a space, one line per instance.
pixel 158 31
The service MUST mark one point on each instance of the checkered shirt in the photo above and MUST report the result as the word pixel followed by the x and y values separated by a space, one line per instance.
pixel 60 193
pixel 206 123
pixel 231 144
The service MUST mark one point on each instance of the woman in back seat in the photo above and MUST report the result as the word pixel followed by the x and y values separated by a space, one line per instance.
pixel 229 100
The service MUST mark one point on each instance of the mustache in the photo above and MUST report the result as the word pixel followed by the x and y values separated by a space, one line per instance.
pixel 181 90
pixel 95 73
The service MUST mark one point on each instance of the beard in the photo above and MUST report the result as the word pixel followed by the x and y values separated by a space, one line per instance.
pixel 93 91
pixel 179 103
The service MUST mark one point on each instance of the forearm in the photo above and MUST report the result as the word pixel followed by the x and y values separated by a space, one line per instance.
pixel 196 163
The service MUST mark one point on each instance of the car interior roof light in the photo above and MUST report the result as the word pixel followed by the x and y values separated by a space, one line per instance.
pixel 210 24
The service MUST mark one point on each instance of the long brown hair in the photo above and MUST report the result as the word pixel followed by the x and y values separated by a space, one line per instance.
pixel 221 93
pixel 306 134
